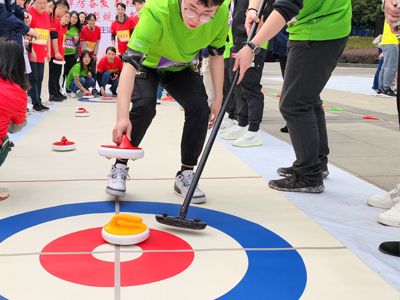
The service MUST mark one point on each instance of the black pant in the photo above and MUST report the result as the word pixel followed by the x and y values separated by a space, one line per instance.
pixel 35 80
pixel 228 74
pixel 188 90
pixel 309 67
pixel 54 78
pixel 248 95
pixel 70 61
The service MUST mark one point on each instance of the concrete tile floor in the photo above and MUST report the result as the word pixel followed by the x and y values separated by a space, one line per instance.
pixel 368 149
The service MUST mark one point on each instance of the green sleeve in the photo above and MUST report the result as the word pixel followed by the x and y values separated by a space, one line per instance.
pixel 147 31
pixel 220 39
pixel 76 70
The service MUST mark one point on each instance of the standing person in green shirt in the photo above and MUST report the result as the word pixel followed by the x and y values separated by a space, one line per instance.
pixel 318 32
pixel 71 43
pixel 164 47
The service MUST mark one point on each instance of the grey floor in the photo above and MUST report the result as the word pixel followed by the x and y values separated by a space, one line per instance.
pixel 365 148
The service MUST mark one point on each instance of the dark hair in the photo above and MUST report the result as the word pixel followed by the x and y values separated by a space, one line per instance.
pixel 112 49
pixel 122 5
pixel 82 13
pixel 139 1
pixel 12 63
pixel 209 3
pixel 57 4
pixel 78 24
pixel 83 54
pixel 91 15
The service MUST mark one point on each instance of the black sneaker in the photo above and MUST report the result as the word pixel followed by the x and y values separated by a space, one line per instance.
pixel 61 96
pixel 389 92
pixel 289 171
pixel 55 99
pixel 37 108
pixel 43 107
pixel 296 184
pixel 284 129
pixel 95 93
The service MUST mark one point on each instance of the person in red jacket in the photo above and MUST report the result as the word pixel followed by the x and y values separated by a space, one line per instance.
pixel 108 70
pixel 57 31
pixel 40 51
pixel 121 29
pixel 13 97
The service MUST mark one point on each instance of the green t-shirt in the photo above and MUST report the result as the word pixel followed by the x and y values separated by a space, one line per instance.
pixel 167 43
pixel 69 42
pixel 76 72
pixel 322 20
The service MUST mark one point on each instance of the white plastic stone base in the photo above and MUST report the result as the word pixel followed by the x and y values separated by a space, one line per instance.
pixel 80 114
pixel 59 62
pixel 125 240
pixel 63 148
pixel 120 153
pixel 88 97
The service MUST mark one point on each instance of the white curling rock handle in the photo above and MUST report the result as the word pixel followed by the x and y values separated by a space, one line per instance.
pixel 122 151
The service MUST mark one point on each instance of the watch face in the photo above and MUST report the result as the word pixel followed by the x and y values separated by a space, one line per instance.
pixel 256 50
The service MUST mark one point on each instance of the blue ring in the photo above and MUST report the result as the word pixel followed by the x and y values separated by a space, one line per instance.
pixel 270 274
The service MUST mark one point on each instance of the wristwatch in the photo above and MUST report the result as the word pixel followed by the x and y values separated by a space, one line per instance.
pixel 254 48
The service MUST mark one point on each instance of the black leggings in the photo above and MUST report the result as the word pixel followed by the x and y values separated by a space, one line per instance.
pixel 188 90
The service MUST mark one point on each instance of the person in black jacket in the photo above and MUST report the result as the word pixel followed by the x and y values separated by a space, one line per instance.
pixel 12 23
pixel 248 96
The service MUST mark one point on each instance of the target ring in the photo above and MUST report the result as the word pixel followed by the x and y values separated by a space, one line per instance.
pixel 274 274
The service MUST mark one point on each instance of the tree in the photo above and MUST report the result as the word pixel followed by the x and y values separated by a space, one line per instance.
pixel 367 14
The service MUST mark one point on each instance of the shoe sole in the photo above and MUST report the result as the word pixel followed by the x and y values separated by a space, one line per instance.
pixel 388 222
pixel 312 190
pixel 248 145
pixel 195 200
pixel 379 205
pixel 114 192
pixel 325 174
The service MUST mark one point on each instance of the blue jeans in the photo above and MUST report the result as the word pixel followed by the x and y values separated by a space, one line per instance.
pixel 375 86
pixel 389 67
pixel 159 91
pixel 85 81
pixel 35 80
pixel 107 79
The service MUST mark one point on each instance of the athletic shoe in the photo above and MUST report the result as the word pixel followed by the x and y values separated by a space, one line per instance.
pixel 391 217
pixel 95 93
pixel 4 194
pixel 389 92
pixel 183 180
pixel 387 200
pixel 390 248
pixel 44 107
pixel 234 132
pixel 249 139
pixel 289 171
pixel 117 177
pixel 37 108
pixel 158 101
pixel 79 94
pixel 227 123
pixel 294 183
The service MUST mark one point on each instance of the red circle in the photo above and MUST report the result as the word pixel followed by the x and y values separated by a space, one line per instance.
pixel 85 269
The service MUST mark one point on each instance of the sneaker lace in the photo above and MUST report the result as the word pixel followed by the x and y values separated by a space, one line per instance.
pixel 187 180
pixel 396 207
pixel 120 174
pixel 395 192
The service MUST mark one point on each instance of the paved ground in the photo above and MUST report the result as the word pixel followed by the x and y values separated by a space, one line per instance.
pixel 368 149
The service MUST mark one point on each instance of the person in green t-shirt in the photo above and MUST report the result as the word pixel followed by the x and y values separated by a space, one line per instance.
pixel 318 32
pixel 71 43
pixel 164 47
pixel 79 78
